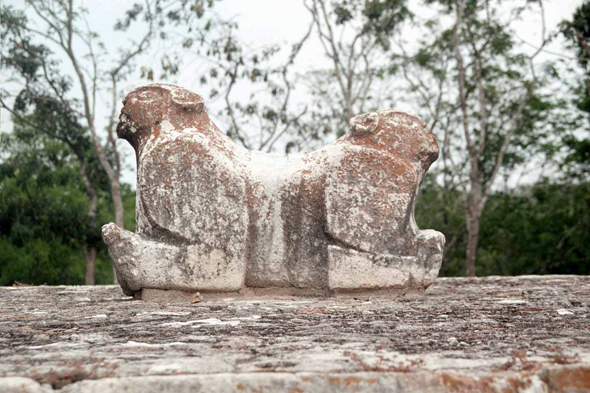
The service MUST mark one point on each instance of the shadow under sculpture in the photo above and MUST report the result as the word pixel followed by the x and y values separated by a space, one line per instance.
pixel 213 216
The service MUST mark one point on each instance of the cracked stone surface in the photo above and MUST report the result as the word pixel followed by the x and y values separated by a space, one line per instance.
pixel 214 216
pixel 528 333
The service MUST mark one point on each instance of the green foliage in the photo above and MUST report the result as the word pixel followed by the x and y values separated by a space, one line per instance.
pixel 40 261
pixel 443 209
pixel 542 229
pixel 379 18
pixel 577 31
pixel 43 214
pixel 577 144
pixel 44 203
pixel 165 13
pixel 539 229
pixel 25 56
pixel 487 38
pixel 43 219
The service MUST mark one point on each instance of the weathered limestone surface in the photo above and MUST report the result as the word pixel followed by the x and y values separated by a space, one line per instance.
pixel 514 334
pixel 213 216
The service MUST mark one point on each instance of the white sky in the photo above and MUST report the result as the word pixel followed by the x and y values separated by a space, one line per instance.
pixel 264 22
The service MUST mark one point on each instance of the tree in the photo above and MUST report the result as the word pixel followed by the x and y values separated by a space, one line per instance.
pixel 63 26
pixel 355 35
pixel 37 110
pixel 543 228
pixel 441 206
pixel 577 32
pixel 269 113
pixel 46 217
pixel 539 229
pixel 43 84
pixel 473 77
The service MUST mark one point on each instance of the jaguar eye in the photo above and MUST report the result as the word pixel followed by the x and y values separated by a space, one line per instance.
pixel 145 96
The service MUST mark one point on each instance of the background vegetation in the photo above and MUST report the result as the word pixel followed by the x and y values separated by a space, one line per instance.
pixel 511 190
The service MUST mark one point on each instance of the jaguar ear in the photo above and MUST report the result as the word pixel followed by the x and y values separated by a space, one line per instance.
pixel 188 100
pixel 364 124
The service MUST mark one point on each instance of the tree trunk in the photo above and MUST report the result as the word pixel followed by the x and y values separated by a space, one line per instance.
pixel 88 249
pixel 119 211
pixel 90 258
pixel 472 242
pixel 118 202
pixel 473 218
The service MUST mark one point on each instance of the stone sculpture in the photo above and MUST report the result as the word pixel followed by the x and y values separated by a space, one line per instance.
pixel 213 216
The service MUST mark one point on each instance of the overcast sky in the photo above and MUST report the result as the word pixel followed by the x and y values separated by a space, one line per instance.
pixel 264 22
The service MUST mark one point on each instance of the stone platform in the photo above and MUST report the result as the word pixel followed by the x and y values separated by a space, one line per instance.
pixel 529 333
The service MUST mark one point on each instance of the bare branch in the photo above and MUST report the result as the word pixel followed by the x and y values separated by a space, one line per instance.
pixel 296 49
pixel 481 92
pixel 518 114
pixel 332 52
pixel 236 128
pixel 286 128
pixel 461 68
